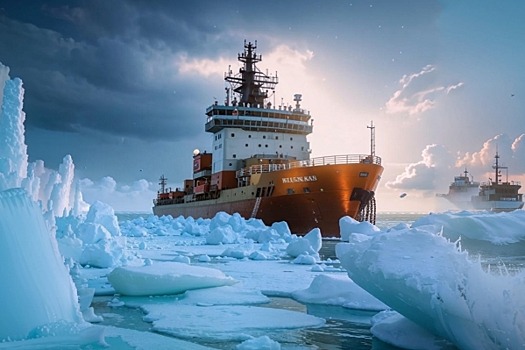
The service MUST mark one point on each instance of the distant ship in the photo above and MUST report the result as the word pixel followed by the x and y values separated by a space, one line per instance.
pixel 460 191
pixel 494 195
pixel 497 195
pixel 260 165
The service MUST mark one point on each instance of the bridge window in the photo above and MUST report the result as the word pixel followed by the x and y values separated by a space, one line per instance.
pixel 290 191
pixel 306 190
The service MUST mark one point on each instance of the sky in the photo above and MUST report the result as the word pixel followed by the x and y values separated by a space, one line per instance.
pixel 122 86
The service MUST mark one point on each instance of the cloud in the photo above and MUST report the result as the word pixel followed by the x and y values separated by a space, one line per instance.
pixel 418 92
pixel 104 70
pixel 204 67
pixel 292 65
pixel 438 165
pixel 511 152
pixel 134 197
pixel 427 173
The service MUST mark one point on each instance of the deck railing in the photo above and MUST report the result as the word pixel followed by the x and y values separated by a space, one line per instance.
pixel 318 161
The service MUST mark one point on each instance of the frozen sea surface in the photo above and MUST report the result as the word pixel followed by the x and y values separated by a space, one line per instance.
pixel 344 328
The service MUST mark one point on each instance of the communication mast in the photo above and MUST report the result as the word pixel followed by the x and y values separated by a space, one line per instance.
pixel 372 138
pixel 162 182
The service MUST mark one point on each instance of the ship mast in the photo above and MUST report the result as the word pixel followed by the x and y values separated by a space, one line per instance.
pixel 372 138
pixel 162 182
pixel 498 170
pixel 251 82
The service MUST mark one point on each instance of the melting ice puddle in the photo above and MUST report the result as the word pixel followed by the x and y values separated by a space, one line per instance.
pixel 122 316
pixel 344 328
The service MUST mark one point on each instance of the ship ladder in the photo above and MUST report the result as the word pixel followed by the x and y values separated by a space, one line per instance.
pixel 256 207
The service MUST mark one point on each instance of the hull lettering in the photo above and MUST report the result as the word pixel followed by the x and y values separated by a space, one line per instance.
pixel 309 178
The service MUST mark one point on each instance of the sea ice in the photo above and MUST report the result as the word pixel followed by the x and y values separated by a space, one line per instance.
pixel 93 240
pixel 36 287
pixel 427 279
pixel 348 226
pixel 394 329
pixel 338 290
pixel 224 322
pixel 496 228
pixel 310 244
pixel 164 278
pixel 259 343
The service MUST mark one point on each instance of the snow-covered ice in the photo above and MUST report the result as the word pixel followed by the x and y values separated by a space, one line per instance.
pixel 431 281
pixel 224 322
pixel 339 290
pixel 165 278
pixel 37 289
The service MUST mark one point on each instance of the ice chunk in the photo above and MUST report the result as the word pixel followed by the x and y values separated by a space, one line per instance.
pixel 103 214
pixel 427 279
pixel 392 328
pixel 235 323
pixel 496 228
pixel 309 244
pixel 222 235
pixel 338 290
pixel 348 226
pixel 259 343
pixel 36 283
pixel 165 278
pixel 13 150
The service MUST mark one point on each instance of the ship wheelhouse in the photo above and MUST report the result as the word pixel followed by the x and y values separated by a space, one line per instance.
pixel 258 119
pixel 248 129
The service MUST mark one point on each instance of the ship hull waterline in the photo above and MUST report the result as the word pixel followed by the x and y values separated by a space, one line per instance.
pixel 304 197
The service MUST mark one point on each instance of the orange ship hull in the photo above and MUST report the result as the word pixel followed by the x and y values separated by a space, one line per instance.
pixel 306 197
